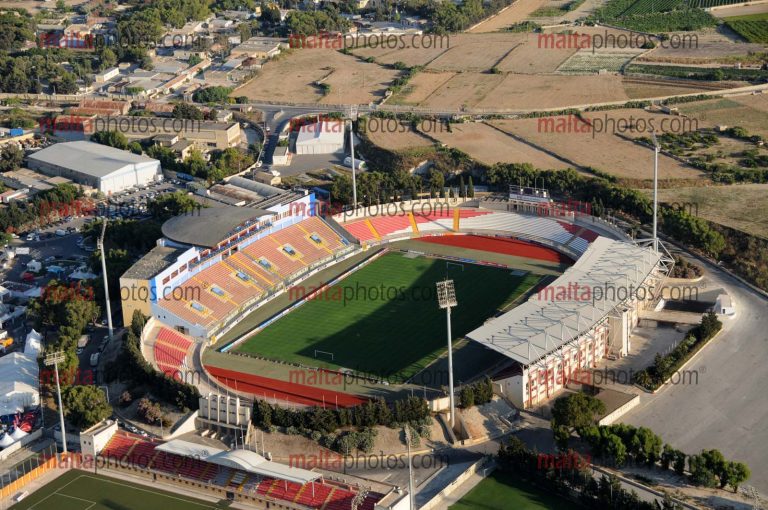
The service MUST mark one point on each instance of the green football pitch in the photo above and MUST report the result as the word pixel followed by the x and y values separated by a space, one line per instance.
pixel 384 319
pixel 78 490
pixel 502 491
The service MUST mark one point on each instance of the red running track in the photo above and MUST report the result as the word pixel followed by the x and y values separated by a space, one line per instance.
pixel 500 245
pixel 290 392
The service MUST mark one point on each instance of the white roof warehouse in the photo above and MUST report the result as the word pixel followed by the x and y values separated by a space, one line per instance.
pixel 101 167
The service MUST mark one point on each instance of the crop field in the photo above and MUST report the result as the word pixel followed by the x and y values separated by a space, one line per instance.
pixel 618 156
pixel 587 62
pixel 646 6
pixel 489 146
pixel 726 205
pixel 386 320
pixel 704 4
pixel 77 490
pixel 753 30
pixel 515 13
pixel 292 77
pixel 752 112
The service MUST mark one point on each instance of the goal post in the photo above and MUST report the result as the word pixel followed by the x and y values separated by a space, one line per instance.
pixel 326 353
pixel 448 265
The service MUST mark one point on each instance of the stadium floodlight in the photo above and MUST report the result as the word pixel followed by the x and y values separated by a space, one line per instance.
pixel 656 149
pixel 100 245
pixel 446 298
pixel 352 119
pixel 54 359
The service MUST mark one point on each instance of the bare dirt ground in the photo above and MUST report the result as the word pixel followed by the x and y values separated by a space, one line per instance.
pixel 640 88
pixel 743 10
pixel 35 6
pixel 515 13
pixel 699 48
pixel 604 151
pixel 489 146
pixel 532 58
pixel 477 53
pixel 393 135
pixel 291 78
pixel 749 112
pixel 740 206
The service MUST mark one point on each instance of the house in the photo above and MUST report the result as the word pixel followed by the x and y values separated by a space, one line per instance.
pixel 259 48
pixel 281 157
pixel 106 75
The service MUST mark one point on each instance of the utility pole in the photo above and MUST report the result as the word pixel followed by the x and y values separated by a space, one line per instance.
pixel 104 271
pixel 446 297
pixel 54 359
pixel 410 467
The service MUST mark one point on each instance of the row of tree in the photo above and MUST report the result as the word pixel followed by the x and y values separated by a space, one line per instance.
pixel 369 414
pixel 621 443
pixel 665 366
pixel 572 479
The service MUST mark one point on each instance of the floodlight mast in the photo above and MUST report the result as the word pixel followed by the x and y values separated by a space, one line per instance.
pixel 656 149
pixel 446 297
pixel 54 359
pixel 100 245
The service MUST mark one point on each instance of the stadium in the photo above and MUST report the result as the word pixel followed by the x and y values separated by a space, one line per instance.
pixel 306 308
pixel 283 302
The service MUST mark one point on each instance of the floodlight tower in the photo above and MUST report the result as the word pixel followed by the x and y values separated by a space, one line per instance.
pixel 352 119
pixel 446 297
pixel 54 359
pixel 656 150
pixel 100 245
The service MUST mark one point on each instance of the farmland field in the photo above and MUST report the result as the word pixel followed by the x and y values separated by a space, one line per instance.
pixel 292 77
pixel 726 205
pixel 489 146
pixel 617 156
pixel 704 4
pixel 588 62
pixel 752 112
pixel 753 30
pixel 375 334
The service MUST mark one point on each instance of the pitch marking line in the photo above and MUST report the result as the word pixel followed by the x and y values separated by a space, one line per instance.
pixel 146 490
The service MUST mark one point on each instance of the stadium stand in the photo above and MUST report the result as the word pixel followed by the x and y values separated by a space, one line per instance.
pixel 215 293
pixel 135 451
pixel 170 351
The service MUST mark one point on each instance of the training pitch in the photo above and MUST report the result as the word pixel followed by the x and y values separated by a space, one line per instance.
pixel 78 490
pixel 501 491
pixel 351 326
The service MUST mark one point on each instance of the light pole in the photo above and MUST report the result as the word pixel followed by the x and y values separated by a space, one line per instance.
pixel 100 245
pixel 54 359
pixel 410 467
pixel 446 297
pixel 656 150
pixel 352 157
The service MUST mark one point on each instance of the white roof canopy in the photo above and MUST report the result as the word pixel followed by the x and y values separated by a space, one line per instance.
pixel 244 460
pixel 606 276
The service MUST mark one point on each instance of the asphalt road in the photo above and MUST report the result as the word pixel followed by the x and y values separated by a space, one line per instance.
pixel 727 410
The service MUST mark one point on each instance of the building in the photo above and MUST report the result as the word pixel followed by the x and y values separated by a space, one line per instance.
pixel 206 135
pixel 106 75
pixel 259 48
pixel 554 335
pixel 281 157
pixel 103 168
pixel 101 106
pixel 325 137
pixel 19 381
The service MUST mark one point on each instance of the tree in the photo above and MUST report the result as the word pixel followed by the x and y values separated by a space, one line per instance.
pixel 576 411
pixel 462 188
pixel 135 147
pixel 172 204
pixel 85 406
pixel 187 111
pixel 149 411
pixel 470 188
pixel 193 60
pixel 11 157
pixel 114 139
pixel 126 398
pixel 467 397
pixel 215 94
pixel 736 474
